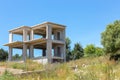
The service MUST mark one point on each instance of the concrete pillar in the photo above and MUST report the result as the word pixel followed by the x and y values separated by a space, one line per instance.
pixel 63 33
pixel 31 35
pixel 49 43
pixel 49 51
pixel 48 32
pixel 64 46
pixel 31 52
pixel 64 52
pixel 63 55
pixel 55 51
pixel 10 54
pixel 24 52
pixel 24 35
pixel 55 35
pixel 10 37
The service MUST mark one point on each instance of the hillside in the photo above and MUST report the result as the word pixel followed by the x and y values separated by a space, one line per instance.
pixel 90 68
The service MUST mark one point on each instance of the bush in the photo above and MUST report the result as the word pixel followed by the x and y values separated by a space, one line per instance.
pixel 92 50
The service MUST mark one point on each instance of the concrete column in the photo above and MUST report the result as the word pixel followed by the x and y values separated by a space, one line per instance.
pixel 55 51
pixel 48 32
pixel 49 43
pixel 49 51
pixel 31 52
pixel 64 52
pixel 55 35
pixel 64 46
pixel 10 54
pixel 63 33
pixel 31 35
pixel 24 52
pixel 10 37
pixel 24 35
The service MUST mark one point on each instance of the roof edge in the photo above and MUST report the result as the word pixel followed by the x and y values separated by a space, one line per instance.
pixel 19 28
pixel 48 23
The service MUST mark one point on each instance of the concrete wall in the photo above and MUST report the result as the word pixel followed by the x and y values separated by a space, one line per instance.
pixel 41 60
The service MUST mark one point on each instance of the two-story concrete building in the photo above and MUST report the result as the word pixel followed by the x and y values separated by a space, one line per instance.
pixel 51 42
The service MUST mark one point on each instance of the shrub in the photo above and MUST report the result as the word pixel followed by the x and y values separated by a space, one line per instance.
pixel 92 50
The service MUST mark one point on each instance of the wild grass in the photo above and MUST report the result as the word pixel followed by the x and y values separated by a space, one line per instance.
pixel 29 65
pixel 7 76
pixel 89 68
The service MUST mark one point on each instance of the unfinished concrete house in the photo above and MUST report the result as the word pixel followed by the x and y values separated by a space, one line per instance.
pixel 51 41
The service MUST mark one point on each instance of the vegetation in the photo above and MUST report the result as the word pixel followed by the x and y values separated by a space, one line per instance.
pixel 17 57
pixel 77 52
pixel 29 65
pixel 92 50
pixel 97 68
pixel 110 38
pixel 74 54
pixel 99 51
pixel 3 54
pixel 7 76
pixel 68 49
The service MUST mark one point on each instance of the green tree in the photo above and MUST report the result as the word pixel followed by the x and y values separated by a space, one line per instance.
pixel 92 50
pixel 68 49
pixel 110 38
pixel 3 54
pixel 99 51
pixel 77 52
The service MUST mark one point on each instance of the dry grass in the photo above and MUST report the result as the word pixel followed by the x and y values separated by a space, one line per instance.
pixel 89 68
pixel 29 65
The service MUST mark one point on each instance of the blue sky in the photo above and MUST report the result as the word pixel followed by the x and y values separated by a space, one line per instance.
pixel 85 19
